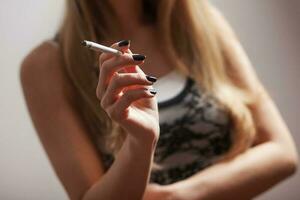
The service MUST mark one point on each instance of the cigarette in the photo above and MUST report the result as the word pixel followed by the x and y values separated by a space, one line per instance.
pixel 99 47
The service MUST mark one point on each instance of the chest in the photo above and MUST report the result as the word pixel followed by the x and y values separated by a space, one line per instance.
pixel 194 129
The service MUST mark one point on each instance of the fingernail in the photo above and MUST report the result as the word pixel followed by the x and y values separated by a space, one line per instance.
pixel 151 78
pixel 152 91
pixel 123 43
pixel 138 57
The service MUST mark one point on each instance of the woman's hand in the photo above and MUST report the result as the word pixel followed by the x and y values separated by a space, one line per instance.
pixel 126 93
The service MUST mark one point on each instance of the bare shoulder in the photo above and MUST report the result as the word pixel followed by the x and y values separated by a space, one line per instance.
pixel 44 57
pixel 43 70
pixel 49 96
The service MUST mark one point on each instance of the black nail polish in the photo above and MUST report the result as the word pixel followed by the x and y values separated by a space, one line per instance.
pixel 152 91
pixel 138 57
pixel 151 78
pixel 123 43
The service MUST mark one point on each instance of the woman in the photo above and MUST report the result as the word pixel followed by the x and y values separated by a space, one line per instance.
pixel 211 132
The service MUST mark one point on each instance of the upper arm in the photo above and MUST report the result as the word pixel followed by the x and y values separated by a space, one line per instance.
pixel 268 120
pixel 48 96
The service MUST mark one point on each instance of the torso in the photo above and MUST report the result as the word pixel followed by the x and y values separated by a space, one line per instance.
pixel 195 130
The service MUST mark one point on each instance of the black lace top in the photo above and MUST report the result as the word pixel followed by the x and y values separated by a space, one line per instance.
pixel 194 132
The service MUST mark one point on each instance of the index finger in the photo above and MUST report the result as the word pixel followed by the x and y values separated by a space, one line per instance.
pixel 123 46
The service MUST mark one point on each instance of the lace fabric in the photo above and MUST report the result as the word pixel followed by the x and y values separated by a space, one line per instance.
pixel 194 131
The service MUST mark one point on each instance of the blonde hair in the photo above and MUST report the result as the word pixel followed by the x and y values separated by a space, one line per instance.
pixel 189 36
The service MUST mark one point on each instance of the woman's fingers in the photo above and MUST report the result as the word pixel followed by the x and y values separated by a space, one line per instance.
pixel 123 46
pixel 119 110
pixel 134 68
pixel 121 80
pixel 130 69
pixel 112 66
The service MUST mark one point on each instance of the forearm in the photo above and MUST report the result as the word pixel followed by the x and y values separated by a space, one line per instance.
pixel 245 177
pixel 128 176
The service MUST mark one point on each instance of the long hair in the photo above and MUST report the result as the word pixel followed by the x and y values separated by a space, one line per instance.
pixel 187 32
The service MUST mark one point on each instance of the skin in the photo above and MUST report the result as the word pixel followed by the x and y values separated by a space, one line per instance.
pixel 49 95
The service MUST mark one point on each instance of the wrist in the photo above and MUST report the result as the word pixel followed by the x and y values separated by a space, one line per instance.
pixel 144 137
pixel 142 134
pixel 142 143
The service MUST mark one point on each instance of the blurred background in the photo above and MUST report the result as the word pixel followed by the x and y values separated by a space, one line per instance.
pixel 269 31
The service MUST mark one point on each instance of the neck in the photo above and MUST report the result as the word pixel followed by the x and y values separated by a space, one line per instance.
pixel 129 15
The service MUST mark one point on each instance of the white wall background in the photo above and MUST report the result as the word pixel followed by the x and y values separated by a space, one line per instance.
pixel 269 31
